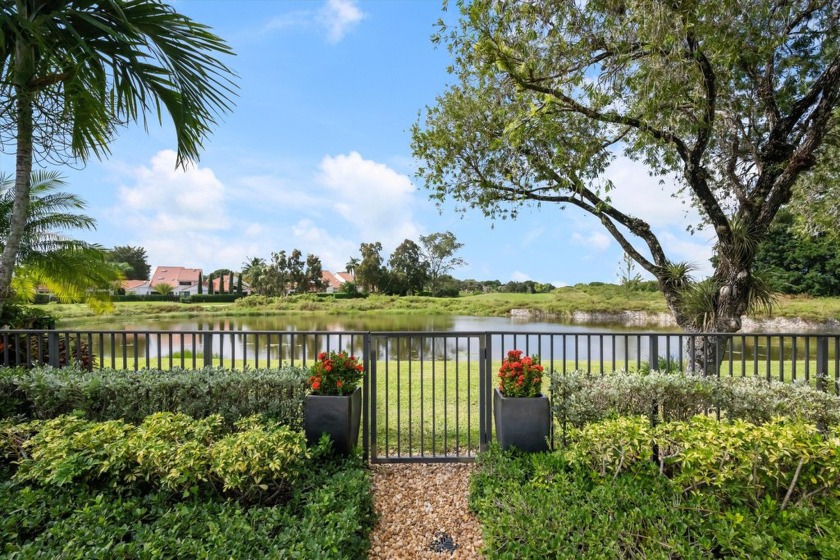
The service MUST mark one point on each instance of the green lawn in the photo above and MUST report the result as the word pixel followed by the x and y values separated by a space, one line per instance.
pixel 561 303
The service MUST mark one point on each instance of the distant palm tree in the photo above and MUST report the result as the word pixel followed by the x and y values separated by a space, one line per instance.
pixel 351 266
pixel 163 289
pixel 251 269
pixel 72 270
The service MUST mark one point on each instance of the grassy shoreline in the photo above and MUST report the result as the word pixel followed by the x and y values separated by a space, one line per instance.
pixel 562 303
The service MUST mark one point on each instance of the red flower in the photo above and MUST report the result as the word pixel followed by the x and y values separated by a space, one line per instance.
pixel 322 356
pixel 359 367
pixel 316 386
pixel 328 368
pixel 339 383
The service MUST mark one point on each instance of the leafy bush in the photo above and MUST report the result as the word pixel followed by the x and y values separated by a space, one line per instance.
pixel 543 506
pixel 784 460
pixel 579 398
pixel 257 462
pixel 330 518
pixel 132 395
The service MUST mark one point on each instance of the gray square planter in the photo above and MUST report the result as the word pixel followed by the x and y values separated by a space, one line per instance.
pixel 522 422
pixel 337 416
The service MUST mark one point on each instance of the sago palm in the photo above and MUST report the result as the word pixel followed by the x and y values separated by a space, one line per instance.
pixel 72 71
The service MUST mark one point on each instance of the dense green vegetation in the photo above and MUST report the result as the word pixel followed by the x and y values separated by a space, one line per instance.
pixel 207 463
pixel 562 303
pixel 761 482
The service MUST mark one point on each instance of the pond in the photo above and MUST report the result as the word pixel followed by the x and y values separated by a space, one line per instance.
pixel 270 340
pixel 335 323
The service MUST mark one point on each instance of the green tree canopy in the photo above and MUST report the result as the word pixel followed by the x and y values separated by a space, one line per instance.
pixel 369 272
pixel 408 269
pixel 135 259
pixel 796 262
pixel 72 71
pixel 726 101
pixel 439 255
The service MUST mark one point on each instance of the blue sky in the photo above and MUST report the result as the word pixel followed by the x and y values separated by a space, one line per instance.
pixel 316 156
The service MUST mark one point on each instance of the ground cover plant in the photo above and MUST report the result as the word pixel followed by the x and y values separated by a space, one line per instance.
pixel 129 474
pixel 605 498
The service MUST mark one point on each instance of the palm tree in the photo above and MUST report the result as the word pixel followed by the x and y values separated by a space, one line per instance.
pixel 72 71
pixel 72 270
pixel 251 269
pixel 163 289
pixel 351 266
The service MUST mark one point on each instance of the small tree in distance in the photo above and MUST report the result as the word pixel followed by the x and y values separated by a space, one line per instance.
pixel 439 254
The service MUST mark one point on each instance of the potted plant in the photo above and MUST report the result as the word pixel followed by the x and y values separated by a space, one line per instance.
pixel 521 412
pixel 334 405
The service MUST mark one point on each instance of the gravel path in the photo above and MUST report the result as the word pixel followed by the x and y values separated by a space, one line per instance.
pixel 423 512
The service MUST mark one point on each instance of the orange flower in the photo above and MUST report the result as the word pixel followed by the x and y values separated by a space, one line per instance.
pixel 339 383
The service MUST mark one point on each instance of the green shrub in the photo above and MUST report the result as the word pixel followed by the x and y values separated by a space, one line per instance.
pixel 330 518
pixel 132 395
pixel 173 452
pixel 579 398
pixel 542 506
pixel 214 298
pixel 784 460
pixel 149 297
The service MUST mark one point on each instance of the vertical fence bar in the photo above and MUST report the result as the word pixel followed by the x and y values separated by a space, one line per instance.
pixel 371 350
pixel 822 362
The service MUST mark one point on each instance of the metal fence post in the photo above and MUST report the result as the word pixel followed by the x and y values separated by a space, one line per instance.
pixel 484 402
pixel 367 402
pixel 822 362
pixel 52 336
pixel 208 349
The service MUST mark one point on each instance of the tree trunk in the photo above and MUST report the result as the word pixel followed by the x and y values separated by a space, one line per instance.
pixel 20 207
pixel 709 333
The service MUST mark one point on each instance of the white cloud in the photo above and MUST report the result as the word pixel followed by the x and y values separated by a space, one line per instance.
pixel 518 276
pixel 373 198
pixel 696 253
pixel 338 17
pixel 595 240
pixel 335 18
pixel 174 200
pixel 640 195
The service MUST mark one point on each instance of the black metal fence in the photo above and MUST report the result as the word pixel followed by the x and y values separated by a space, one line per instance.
pixel 428 395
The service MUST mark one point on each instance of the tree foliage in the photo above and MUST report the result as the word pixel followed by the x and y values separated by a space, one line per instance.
pixel 135 261
pixel 727 102
pixel 439 255
pixel 73 270
pixel 287 274
pixel 799 263
pixel 408 270
pixel 370 271
pixel 73 71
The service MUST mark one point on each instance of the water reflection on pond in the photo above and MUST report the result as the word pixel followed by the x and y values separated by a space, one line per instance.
pixel 258 340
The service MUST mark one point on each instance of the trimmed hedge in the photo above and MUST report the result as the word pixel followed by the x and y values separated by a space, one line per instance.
pixel 579 398
pixel 213 298
pixel 150 297
pixel 132 395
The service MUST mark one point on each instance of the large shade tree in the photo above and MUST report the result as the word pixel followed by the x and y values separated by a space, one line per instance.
pixel 728 102
pixel 72 71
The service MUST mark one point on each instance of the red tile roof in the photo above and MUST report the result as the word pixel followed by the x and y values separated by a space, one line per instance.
pixel 175 276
